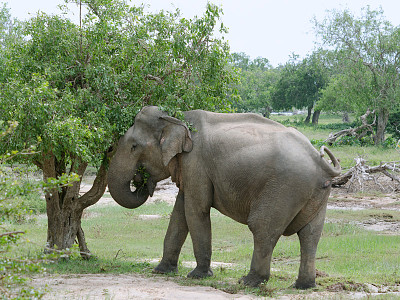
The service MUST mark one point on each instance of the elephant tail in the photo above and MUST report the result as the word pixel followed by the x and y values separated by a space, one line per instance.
pixel 336 169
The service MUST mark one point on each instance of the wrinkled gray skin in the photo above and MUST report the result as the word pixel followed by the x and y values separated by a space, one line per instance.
pixel 254 170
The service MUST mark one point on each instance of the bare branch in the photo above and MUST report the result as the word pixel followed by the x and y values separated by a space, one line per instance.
pixel 358 132
pixel 361 172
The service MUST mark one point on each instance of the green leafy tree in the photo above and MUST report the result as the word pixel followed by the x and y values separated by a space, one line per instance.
pixel 367 59
pixel 78 88
pixel 15 270
pixel 256 78
pixel 300 84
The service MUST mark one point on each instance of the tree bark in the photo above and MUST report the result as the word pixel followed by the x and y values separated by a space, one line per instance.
pixel 315 117
pixel 307 120
pixel 346 118
pixel 383 117
pixel 65 206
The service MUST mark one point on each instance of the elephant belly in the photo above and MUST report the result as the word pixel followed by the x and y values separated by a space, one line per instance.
pixel 261 180
pixel 236 210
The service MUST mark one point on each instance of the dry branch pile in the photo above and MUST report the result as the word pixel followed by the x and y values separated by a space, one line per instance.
pixel 361 175
pixel 358 132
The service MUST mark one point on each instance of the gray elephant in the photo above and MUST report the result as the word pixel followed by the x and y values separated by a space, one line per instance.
pixel 252 169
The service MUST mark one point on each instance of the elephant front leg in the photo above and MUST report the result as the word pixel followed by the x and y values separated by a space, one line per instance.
pixel 199 224
pixel 174 238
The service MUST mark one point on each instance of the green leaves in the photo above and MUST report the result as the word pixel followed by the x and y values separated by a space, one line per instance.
pixel 256 78
pixel 366 56
pixel 79 88
pixel 300 83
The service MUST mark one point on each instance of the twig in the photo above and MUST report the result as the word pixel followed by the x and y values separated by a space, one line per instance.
pixel 12 233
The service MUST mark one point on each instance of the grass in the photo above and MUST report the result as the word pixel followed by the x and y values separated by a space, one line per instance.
pixel 348 256
pixel 124 243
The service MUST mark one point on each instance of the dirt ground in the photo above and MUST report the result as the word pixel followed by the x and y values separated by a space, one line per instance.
pixel 134 286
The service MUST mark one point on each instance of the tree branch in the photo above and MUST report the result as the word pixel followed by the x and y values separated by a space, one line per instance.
pixel 12 233
pixel 100 183
pixel 364 128
pixel 155 78
pixel 361 169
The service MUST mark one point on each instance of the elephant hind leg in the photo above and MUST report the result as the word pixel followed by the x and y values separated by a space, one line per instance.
pixel 261 261
pixel 309 237
pixel 265 240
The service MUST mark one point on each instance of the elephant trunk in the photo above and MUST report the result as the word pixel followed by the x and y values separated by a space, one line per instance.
pixel 119 184
pixel 122 194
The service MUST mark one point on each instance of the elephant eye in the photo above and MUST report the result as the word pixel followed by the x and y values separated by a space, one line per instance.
pixel 134 145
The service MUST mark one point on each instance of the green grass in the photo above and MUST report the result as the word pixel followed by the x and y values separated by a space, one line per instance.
pixel 348 255
pixel 124 243
pixel 323 119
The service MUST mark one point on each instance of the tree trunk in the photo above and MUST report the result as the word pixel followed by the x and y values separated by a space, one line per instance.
pixel 316 117
pixel 65 206
pixel 346 118
pixel 307 120
pixel 383 117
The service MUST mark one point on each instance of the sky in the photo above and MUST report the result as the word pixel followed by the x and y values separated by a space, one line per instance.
pixel 273 29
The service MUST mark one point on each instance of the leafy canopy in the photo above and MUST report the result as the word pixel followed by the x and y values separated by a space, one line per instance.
pixel 78 88
pixel 365 53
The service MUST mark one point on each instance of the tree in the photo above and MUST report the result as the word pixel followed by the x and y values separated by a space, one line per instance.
pixel 367 53
pixel 256 78
pixel 78 88
pixel 300 84
pixel 14 187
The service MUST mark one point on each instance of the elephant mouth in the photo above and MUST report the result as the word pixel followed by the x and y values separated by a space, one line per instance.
pixel 142 180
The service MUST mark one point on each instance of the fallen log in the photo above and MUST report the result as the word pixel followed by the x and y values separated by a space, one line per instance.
pixel 358 132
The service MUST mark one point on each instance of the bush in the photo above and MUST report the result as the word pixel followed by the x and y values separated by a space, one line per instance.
pixel 393 125
pixel 390 142
pixel 34 203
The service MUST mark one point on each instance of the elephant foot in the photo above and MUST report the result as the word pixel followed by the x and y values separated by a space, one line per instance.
pixel 165 268
pixel 304 285
pixel 200 273
pixel 253 280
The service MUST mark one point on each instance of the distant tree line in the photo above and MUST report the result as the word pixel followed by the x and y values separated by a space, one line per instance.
pixel 355 68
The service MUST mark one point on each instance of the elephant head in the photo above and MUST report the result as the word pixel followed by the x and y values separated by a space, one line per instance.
pixel 153 143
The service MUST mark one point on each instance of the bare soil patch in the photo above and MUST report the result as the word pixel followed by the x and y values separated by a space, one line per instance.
pixel 109 286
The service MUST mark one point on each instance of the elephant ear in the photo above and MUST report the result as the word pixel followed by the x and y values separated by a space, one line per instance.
pixel 175 139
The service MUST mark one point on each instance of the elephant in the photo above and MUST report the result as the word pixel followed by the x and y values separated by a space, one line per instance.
pixel 254 170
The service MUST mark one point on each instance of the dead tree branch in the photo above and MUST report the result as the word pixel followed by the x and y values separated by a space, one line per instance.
pixel 358 132
pixel 361 173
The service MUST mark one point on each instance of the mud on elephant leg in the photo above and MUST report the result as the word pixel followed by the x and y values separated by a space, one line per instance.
pixel 309 237
pixel 174 238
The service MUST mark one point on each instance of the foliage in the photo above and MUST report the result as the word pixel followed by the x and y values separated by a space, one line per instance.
pixel 14 189
pixel 256 78
pixel 78 88
pixel 346 140
pixel 366 55
pixel 394 125
pixel 300 83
